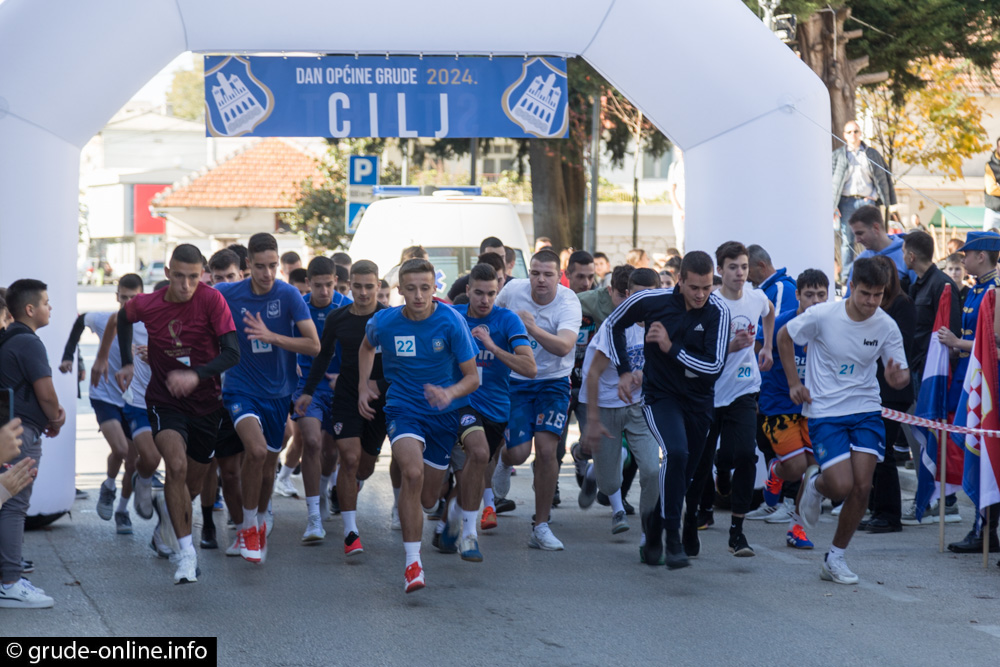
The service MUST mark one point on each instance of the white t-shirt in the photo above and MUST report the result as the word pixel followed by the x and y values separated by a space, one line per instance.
pixel 607 392
pixel 741 375
pixel 563 313
pixel 107 389
pixel 135 395
pixel 841 358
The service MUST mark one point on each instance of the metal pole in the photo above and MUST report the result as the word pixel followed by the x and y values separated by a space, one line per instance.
pixel 474 153
pixel 943 458
pixel 985 532
pixel 590 224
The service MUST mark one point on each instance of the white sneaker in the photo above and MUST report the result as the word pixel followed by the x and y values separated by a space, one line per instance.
pixel 762 512
pixel 234 548
pixel 783 513
pixel 187 567
pixel 23 595
pixel 167 536
pixel 836 510
pixel 285 488
pixel 314 531
pixel 836 570
pixel 542 538
pixel 142 496
pixel 394 522
pixel 501 480
pixel 811 504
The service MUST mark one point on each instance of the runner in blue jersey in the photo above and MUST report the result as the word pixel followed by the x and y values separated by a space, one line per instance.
pixel 322 299
pixel 429 359
pixel 258 391
pixel 503 346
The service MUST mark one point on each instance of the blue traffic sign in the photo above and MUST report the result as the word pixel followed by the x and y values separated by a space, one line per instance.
pixel 363 170
pixel 354 213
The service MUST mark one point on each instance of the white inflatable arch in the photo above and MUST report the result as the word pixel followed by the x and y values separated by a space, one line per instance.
pixel 752 119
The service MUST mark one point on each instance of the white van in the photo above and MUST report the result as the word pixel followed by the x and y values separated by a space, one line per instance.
pixel 450 226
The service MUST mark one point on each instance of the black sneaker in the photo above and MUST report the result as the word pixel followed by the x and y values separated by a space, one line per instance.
pixel 689 537
pixel 706 518
pixel 603 500
pixel 334 502
pixel 629 510
pixel 881 525
pixel 443 548
pixel 739 546
pixel 653 523
pixel 676 558
pixel 504 505
pixel 555 498
pixel 208 540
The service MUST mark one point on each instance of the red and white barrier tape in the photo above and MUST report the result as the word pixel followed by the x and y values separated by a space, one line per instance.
pixel 902 417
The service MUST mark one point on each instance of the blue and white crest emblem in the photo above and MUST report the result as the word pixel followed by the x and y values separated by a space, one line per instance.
pixel 537 102
pixel 236 102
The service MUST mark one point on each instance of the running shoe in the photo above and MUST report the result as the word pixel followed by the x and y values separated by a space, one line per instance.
pixel 314 531
pixel 836 570
pixel 413 577
pixel 249 544
pixel 951 514
pixel 836 510
pixel 81 494
pixel 629 509
pixel 556 498
pixel 234 549
pixel 208 537
pixel 772 486
pixel 285 488
pixel 762 512
pixel 619 524
pixel 468 548
pixel 642 555
pixel 453 529
pixel 123 524
pixel 579 463
pixel 352 545
pixel 106 500
pixel 504 504
pixel 796 538
pixel 394 520
pixel 810 505
pixel 24 595
pixel 157 544
pixel 739 546
pixel 142 496
pixel 674 551
pixel 27 566
pixel 187 568
pixel 489 520
pixel 690 539
pixel 501 480
pixel 588 490
pixel 436 543
pixel 783 512
pixel 909 517
pixel 654 537
pixel 164 528
pixel 542 538
pixel 334 501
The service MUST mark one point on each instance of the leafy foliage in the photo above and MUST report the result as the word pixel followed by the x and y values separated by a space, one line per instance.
pixel 187 91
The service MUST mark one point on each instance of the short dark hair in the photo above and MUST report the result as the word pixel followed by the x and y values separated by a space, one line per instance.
pixel 23 293
pixel 868 272
pixel 697 262
pixel 365 267
pixel 187 254
pixel 730 250
pixel 581 257
pixel 716 279
pixel 261 242
pixel 298 275
pixel 600 255
pixel 160 285
pixel 546 256
pixel 290 257
pixel 3 301
pixel 757 255
pixel 341 258
pixel 223 259
pixel 241 253
pixel 494 260
pixel 674 263
pixel 412 252
pixel 955 258
pixel 343 275
pixel 321 266
pixel 415 265
pixel 620 276
pixel 869 216
pixel 490 242
pixel 921 244
pixel 509 255
pixel 383 283
pixel 483 271
pixel 812 278
pixel 130 281
pixel 644 278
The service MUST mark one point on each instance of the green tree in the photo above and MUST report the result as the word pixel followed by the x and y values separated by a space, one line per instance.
pixel 321 208
pixel 186 96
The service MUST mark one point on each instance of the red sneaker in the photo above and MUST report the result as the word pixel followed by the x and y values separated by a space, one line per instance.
pixel 413 578
pixel 249 544
pixel 489 520
pixel 262 535
pixel 352 545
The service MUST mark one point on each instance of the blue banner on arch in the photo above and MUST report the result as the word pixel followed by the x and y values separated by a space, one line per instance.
pixel 374 96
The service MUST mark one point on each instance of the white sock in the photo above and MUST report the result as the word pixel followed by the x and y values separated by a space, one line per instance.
pixel 122 504
pixel 312 505
pixel 836 552
pixel 469 523
pixel 333 477
pixel 324 485
pixel 350 522
pixel 110 483
pixel 285 474
pixel 439 527
pixel 412 552
pixel 249 518
pixel 488 499
pixel 185 543
pixel 616 501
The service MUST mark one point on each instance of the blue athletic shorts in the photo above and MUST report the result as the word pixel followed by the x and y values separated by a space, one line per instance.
pixel 438 432
pixel 318 409
pixel 106 412
pixel 537 405
pixel 270 413
pixel 833 438
pixel 137 419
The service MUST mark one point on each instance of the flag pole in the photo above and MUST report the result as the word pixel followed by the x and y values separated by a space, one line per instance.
pixel 943 467
pixel 985 532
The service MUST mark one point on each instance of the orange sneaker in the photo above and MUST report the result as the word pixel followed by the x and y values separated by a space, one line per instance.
pixel 249 544
pixel 352 545
pixel 413 578
pixel 489 520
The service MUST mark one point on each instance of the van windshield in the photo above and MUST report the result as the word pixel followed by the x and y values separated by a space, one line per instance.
pixel 455 262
